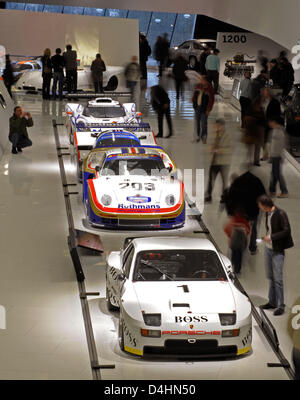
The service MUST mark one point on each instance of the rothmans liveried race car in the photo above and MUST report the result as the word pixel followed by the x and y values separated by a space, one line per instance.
pixel 114 138
pixel 133 188
pixel 99 111
pixel 176 298
pixel 86 139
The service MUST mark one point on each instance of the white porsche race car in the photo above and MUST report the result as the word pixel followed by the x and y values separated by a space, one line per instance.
pixel 176 298
pixel 28 75
pixel 100 111
pixel 133 188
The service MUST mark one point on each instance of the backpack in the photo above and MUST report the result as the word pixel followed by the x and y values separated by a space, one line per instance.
pixel 238 240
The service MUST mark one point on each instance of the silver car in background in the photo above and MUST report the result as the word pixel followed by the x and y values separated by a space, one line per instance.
pixel 191 50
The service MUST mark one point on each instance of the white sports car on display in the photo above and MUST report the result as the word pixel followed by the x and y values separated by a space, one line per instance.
pixel 176 298
pixel 28 75
pixel 133 188
pixel 100 111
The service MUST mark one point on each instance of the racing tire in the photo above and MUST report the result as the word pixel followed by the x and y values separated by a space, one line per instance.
pixel 110 306
pixel 112 84
pixel 121 334
pixel 193 62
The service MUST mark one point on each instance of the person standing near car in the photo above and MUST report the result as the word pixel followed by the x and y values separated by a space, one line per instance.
pixel 203 101
pixel 212 66
pixel 58 64
pixel 277 239
pixel 98 67
pixel 46 74
pixel 18 134
pixel 205 53
pixel 70 57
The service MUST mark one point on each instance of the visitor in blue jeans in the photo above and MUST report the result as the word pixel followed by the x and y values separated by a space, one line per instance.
pixel 278 238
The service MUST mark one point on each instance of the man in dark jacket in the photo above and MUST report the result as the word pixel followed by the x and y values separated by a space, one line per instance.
pixel 278 238
pixel 286 77
pixel 145 52
pixel 242 195
pixel 70 57
pixel 58 64
pixel 98 67
pixel 18 125
pixel 203 101
pixel 205 53
pixel 161 104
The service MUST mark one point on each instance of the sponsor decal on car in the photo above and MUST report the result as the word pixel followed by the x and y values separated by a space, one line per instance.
pixel 138 207
pixel 196 333
pixel 138 199
pixel 188 319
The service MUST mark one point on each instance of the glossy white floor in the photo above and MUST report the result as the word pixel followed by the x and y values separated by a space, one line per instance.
pixel 45 336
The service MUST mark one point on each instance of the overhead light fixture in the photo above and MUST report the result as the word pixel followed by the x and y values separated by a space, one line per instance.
pixel 186 16
pixel 157 20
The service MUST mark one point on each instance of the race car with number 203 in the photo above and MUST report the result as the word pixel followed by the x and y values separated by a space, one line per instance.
pixel 139 135
pixel 176 298
pixel 102 110
pixel 133 188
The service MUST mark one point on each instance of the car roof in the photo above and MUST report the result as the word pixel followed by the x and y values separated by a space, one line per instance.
pixel 172 243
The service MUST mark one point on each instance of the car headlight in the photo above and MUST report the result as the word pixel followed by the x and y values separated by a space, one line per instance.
pixel 152 319
pixel 106 199
pixel 227 319
pixel 80 122
pixel 170 200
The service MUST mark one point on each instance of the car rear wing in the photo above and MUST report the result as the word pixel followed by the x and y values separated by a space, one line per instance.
pixel 142 126
pixel 87 95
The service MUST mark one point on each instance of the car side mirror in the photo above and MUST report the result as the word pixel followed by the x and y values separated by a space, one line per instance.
pixel 227 264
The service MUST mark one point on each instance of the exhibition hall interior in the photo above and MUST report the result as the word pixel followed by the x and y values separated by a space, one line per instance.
pixel 150 186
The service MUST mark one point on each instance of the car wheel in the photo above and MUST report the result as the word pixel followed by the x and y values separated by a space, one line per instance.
pixel 193 62
pixel 110 306
pixel 112 84
pixel 121 334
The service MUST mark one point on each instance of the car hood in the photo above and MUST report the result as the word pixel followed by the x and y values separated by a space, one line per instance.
pixel 134 190
pixel 208 297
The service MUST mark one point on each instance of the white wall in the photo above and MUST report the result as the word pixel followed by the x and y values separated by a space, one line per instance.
pixel 29 33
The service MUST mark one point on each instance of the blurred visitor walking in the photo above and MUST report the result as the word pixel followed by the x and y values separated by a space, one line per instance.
pixel 132 75
pixel 178 70
pixel 212 66
pixel 161 104
pixel 8 75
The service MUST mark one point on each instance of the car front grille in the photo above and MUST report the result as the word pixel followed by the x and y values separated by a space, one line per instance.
pixel 200 348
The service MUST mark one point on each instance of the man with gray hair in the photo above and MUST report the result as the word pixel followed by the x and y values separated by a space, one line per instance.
pixel 221 150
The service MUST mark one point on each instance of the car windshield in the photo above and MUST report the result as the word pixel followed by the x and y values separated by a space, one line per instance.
pixel 133 166
pixel 117 141
pixel 103 112
pixel 178 265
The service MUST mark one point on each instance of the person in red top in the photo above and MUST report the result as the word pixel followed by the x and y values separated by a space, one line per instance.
pixel 238 231
pixel 203 101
